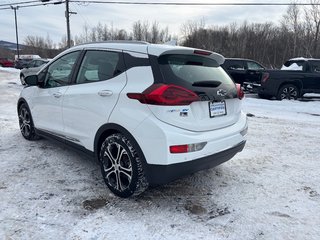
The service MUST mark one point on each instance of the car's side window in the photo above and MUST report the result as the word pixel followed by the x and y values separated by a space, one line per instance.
pixel 254 66
pixel 99 66
pixel 236 65
pixel 31 64
pixel 38 63
pixel 315 66
pixel 59 72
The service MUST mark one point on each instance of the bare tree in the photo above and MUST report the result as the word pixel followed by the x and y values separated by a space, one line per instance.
pixel 291 21
pixel 137 29
pixel 315 17
pixel 43 47
pixel 155 32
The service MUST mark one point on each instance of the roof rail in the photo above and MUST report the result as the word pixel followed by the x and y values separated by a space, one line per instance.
pixel 117 41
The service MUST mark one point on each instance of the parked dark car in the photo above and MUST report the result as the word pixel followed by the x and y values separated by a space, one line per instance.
pixel 22 63
pixel 32 68
pixel 5 62
pixel 297 77
pixel 243 70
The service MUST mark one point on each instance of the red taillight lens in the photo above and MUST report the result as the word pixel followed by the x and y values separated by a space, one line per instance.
pixel 265 77
pixel 240 91
pixel 169 95
pixel 202 52
pixel 179 149
pixel 194 147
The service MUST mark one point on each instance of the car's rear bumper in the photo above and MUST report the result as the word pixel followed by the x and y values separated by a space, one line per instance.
pixel 162 174
pixel 155 138
pixel 162 166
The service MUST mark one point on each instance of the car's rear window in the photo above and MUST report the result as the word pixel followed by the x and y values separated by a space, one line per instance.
pixel 189 69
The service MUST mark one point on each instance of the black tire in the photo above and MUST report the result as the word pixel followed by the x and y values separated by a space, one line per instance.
pixel 122 167
pixel 288 91
pixel 26 123
pixel 23 82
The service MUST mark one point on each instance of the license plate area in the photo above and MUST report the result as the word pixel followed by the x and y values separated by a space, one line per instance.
pixel 217 108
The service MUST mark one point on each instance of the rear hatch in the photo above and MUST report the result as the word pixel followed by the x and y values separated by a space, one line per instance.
pixel 216 104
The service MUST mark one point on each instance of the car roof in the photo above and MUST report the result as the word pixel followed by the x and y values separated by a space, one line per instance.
pixel 304 59
pixel 146 48
pixel 241 59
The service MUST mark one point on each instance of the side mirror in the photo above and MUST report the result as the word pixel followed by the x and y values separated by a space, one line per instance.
pixel 31 80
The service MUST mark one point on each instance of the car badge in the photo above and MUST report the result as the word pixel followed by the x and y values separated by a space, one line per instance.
pixel 222 92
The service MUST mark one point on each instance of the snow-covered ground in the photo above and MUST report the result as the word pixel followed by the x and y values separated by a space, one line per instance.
pixel 271 190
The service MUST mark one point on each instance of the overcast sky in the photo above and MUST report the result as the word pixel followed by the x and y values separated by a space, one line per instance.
pixel 50 20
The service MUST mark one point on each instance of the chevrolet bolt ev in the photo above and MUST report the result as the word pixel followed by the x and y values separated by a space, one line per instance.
pixel 149 113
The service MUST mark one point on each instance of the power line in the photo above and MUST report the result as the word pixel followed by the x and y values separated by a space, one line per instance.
pixel 32 5
pixel 26 4
pixel 16 3
pixel 195 3
pixel 85 19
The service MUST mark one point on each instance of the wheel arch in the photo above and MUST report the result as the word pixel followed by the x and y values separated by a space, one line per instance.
pixel 33 135
pixel 20 102
pixel 111 128
pixel 297 83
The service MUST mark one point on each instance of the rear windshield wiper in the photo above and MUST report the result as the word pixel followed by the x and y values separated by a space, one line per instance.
pixel 206 84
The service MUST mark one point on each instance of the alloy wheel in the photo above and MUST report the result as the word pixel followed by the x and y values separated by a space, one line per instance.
pixel 117 166
pixel 289 92
pixel 25 122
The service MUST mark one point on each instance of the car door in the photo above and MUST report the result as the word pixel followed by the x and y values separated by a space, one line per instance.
pixel 47 113
pixel 236 70
pixel 254 72
pixel 88 103
pixel 311 81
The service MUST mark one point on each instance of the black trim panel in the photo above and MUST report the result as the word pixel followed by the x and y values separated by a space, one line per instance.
pixel 162 174
pixel 65 142
pixel 131 61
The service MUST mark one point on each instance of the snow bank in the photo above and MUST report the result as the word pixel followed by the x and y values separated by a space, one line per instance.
pixel 9 70
pixel 296 111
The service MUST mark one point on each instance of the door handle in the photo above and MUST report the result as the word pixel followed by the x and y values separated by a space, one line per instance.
pixel 105 93
pixel 57 94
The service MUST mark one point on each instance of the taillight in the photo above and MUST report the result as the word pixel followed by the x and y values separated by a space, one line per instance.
pixel 202 52
pixel 169 95
pixel 179 149
pixel 187 147
pixel 240 92
pixel 265 77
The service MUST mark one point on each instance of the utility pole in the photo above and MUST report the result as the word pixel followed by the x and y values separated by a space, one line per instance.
pixel 15 19
pixel 68 24
pixel 67 13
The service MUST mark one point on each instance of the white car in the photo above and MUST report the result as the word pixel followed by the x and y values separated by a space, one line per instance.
pixel 149 113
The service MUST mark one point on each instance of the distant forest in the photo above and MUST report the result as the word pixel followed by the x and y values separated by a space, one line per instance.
pixel 297 35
